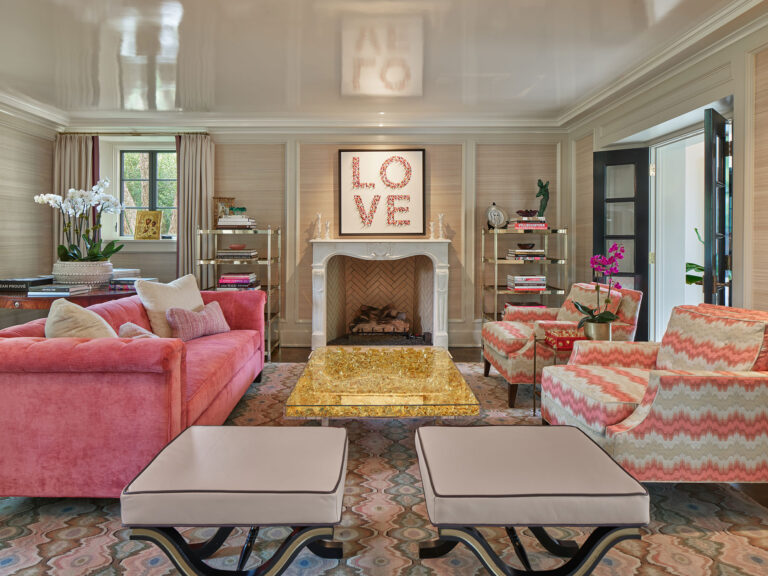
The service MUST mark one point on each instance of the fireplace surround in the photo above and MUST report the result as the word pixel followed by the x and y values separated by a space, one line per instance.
pixel 323 252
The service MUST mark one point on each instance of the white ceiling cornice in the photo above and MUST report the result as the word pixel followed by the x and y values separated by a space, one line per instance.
pixel 29 110
pixel 657 62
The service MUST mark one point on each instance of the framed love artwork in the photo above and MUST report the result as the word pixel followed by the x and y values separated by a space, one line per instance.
pixel 381 192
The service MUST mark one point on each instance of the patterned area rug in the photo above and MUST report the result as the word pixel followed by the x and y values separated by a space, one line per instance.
pixel 696 529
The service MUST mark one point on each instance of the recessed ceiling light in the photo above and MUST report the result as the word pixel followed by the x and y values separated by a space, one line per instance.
pixel 381 113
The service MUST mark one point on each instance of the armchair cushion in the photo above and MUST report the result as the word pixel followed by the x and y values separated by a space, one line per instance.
pixel 506 338
pixel 585 294
pixel 592 397
pixel 698 340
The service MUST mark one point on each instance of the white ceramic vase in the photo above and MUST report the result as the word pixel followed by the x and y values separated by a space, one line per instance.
pixel 93 274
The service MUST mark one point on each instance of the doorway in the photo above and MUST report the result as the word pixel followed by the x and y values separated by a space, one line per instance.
pixel 677 226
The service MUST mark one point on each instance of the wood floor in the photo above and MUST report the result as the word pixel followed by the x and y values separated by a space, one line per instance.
pixel 758 492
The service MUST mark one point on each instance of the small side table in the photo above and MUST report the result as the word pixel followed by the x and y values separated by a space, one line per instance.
pixel 20 300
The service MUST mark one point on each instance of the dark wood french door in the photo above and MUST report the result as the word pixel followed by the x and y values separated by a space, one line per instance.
pixel 718 210
pixel 621 206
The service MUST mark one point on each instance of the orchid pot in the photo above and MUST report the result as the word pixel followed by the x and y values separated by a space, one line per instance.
pixel 598 330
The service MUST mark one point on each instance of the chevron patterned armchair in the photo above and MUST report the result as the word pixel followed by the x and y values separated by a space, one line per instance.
pixel 508 344
pixel 692 408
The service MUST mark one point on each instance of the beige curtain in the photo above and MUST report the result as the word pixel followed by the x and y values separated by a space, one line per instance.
pixel 195 194
pixel 73 167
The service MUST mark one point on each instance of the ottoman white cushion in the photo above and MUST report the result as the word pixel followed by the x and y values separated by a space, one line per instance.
pixel 242 476
pixel 524 476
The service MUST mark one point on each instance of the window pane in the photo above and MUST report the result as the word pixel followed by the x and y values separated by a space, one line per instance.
pixel 136 165
pixel 627 265
pixel 166 193
pixel 626 281
pixel 128 221
pixel 136 194
pixel 620 218
pixel 166 165
pixel 170 223
pixel 620 181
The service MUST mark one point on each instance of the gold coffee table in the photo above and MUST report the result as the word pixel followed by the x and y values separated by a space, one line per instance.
pixel 380 382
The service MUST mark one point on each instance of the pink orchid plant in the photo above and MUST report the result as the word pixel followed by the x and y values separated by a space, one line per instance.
pixel 605 267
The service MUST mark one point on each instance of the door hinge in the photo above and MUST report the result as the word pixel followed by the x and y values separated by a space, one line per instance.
pixel 728 148
pixel 652 170
pixel 651 257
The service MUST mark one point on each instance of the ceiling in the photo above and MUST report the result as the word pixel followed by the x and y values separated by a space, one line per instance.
pixel 513 61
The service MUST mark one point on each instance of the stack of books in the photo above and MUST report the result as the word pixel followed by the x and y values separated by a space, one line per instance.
pixel 532 223
pixel 236 222
pixel 233 281
pixel 23 284
pixel 534 254
pixel 229 254
pixel 58 290
pixel 127 283
pixel 526 283
pixel 126 273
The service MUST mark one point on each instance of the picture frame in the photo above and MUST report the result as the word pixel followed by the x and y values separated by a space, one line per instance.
pixel 148 224
pixel 382 192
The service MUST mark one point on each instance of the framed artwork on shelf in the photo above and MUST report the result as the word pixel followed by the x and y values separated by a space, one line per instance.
pixel 147 225
pixel 381 192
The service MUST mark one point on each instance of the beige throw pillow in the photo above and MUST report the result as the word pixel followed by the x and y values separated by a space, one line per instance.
pixel 131 330
pixel 158 298
pixel 68 320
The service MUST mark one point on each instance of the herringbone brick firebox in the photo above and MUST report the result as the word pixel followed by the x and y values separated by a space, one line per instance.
pixel 404 284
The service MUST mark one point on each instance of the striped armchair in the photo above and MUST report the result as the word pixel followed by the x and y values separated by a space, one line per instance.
pixel 692 408
pixel 508 344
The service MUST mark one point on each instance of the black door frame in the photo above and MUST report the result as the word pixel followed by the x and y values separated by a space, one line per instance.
pixel 640 158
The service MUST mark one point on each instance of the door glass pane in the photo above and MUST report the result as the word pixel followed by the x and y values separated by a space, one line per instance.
pixel 620 181
pixel 620 218
pixel 625 281
pixel 627 265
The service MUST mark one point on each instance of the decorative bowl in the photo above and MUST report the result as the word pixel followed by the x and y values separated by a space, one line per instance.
pixel 237 246
pixel 527 213
pixel 526 245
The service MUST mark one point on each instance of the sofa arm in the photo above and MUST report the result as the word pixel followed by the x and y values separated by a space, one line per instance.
pixel 529 313
pixel 243 310
pixel 82 417
pixel 618 354
pixel 83 355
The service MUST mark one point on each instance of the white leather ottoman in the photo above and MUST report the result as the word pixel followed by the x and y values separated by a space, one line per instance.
pixel 533 476
pixel 229 476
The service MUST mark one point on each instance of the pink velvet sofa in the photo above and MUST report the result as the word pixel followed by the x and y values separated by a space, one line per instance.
pixel 81 417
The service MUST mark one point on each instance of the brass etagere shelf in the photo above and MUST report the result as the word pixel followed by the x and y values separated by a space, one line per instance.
pixel 495 261
pixel 273 286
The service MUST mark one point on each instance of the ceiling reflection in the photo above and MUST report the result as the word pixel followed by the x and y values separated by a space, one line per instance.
pixel 521 58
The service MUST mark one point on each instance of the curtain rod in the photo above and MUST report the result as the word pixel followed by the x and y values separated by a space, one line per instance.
pixel 102 133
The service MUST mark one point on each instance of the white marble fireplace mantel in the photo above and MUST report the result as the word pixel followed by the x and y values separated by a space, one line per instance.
pixel 436 250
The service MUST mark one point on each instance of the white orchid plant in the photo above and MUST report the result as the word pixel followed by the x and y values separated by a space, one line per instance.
pixel 81 211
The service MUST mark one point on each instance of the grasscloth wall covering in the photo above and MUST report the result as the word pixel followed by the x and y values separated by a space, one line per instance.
pixel 760 216
pixel 582 210
pixel 26 233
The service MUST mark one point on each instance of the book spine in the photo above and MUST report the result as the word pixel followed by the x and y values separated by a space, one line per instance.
pixel 14 286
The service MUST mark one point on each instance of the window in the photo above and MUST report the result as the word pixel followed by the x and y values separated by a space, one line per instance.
pixel 148 182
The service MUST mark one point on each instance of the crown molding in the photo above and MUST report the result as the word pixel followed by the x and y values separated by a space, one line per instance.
pixel 29 110
pixel 657 62
pixel 231 123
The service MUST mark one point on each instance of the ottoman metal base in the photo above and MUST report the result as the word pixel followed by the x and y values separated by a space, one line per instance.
pixel 188 558
pixel 582 559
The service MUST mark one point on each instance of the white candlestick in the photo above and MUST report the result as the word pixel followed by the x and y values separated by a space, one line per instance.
pixel 440 226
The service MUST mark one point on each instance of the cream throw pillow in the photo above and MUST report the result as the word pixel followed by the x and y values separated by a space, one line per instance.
pixel 68 320
pixel 157 298
pixel 134 331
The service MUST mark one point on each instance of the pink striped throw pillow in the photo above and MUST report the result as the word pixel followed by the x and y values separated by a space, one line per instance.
pixel 187 324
